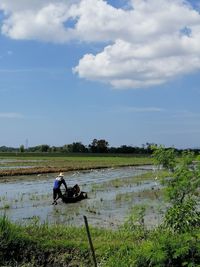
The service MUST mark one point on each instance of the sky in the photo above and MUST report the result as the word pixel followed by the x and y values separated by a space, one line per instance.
pixel 126 71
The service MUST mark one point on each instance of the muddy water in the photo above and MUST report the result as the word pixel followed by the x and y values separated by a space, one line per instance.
pixel 27 200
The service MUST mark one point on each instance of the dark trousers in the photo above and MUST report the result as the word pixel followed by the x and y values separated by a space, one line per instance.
pixel 57 193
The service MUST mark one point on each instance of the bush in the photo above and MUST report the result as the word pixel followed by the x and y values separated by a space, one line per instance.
pixel 165 249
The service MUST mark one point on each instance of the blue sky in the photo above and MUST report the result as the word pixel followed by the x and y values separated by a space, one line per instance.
pixel 102 79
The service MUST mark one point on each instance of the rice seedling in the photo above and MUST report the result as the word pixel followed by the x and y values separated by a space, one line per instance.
pixel 6 206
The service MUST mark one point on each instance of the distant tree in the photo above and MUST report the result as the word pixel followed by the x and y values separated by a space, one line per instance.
pixel 21 149
pixel 44 148
pixel 53 149
pixel 8 149
pixel 76 147
pixel 112 150
pixel 149 146
pixel 65 149
pixel 102 146
pixel 93 146
pixel 99 146
pixel 126 149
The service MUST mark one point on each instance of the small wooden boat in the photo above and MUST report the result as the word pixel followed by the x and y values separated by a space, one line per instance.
pixel 70 196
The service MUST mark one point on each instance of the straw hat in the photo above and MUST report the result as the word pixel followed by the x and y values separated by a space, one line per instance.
pixel 61 174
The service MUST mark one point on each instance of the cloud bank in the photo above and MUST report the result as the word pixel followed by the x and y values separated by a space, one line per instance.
pixel 148 44
pixel 11 115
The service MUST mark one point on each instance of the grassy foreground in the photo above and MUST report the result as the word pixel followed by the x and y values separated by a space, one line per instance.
pixel 131 245
pixel 49 164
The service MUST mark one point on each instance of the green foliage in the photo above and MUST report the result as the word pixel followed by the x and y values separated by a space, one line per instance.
pixel 182 217
pixel 21 149
pixel 165 249
pixel 125 256
pixel 130 246
pixel 181 189
pixel 184 181
pixel 135 221
pixel 6 230
pixel 164 157
pixel 76 147
pixel 159 249
pixel 31 247
pixel 99 146
pixel 44 148
pixel 13 243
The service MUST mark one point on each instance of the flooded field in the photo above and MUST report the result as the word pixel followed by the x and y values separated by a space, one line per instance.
pixel 112 194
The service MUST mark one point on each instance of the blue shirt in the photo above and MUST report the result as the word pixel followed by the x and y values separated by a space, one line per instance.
pixel 57 183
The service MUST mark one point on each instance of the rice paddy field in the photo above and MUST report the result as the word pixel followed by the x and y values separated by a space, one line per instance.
pixel 114 185
pixel 125 208
pixel 16 164
pixel 112 192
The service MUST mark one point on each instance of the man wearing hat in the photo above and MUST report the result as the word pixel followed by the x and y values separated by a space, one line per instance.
pixel 56 188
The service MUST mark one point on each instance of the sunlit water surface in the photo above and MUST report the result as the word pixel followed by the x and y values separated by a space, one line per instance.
pixel 30 199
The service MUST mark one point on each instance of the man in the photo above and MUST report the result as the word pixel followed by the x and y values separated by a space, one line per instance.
pixel 56 188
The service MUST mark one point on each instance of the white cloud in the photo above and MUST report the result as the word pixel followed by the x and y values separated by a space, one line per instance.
pixel 10 115
pixel 159 41
pixel 44 23
pixel 149 44
pixel 139 109
pixel 147 109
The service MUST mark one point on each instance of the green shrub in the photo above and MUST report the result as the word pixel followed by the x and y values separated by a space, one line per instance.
pixel 165 249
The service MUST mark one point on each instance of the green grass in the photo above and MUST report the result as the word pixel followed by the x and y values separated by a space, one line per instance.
pixel 55 239
pixel 5 207
pixel 130 245
pixel 70 160
pixel 45 163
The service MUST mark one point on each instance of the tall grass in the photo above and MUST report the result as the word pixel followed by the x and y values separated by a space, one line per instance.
pixel 131 245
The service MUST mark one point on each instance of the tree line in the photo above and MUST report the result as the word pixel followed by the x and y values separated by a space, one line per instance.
pixel 96 146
